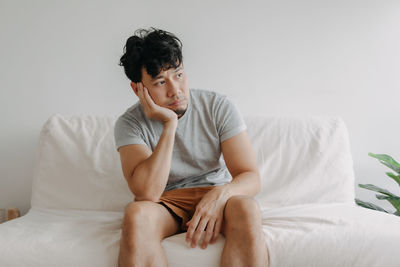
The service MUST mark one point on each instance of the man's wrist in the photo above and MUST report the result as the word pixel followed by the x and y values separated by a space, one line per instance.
pixel 226 190
pixel 173 123
pixel 246 183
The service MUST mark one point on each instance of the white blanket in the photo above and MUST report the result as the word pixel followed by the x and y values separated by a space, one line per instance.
pixel 307 200
pixel 320 235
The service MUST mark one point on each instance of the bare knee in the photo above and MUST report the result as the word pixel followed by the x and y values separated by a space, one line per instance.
pixel 242 204
pixel 241 211
pixel 138 222
pixel 141 235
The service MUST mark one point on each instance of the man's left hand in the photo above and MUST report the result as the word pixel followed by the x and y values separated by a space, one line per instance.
pixel 208 216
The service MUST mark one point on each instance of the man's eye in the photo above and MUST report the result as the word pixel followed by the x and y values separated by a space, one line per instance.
pixel 160 82
pixel 179 75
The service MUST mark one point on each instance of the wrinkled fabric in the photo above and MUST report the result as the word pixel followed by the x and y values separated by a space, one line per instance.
pixel 307 200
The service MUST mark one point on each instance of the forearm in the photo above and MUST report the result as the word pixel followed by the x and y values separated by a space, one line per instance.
pixel 151 176
pixel 245 183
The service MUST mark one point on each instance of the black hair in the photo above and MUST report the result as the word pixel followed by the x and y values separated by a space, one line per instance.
pixel 153 49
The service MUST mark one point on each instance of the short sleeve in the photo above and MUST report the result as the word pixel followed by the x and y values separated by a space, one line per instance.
pixel 229 121
pixel 127 133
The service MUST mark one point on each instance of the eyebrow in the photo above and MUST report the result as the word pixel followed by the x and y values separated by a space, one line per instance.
pixel 160 76
pixel 178 69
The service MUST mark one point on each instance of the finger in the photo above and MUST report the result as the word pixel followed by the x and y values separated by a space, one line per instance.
pixel 217 230
pixel 148 98
pixel 187 225
pixel 141 96
pixel 192 227
pixel 208 234
pixel 139 89
pixel 199 231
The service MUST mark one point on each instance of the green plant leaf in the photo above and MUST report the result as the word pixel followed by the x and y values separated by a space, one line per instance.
pixel 395 201
pixel 394 177
pixel 387 160
pixel 369 205
pixel 377 189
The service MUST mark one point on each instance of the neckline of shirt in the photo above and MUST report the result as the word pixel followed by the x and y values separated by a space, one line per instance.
pixel 188 110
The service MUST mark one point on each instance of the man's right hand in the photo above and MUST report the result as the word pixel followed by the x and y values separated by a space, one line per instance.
pixel 151 109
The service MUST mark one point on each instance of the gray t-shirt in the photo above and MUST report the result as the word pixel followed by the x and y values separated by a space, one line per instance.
pixel 197 161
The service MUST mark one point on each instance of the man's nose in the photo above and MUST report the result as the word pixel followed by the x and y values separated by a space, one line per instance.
pixel 173 88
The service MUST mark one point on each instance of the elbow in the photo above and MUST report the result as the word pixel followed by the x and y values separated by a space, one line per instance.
pixel 142 192
pixel 147 195
pixel 146 198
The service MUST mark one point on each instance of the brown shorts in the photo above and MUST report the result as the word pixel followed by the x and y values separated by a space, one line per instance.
pixel 182 202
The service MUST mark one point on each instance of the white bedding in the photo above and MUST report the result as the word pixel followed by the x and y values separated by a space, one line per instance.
pixel 302 235
pixel 307 200
pixel 331 235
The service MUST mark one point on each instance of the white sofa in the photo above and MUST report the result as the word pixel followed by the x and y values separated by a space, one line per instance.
pixel 307 200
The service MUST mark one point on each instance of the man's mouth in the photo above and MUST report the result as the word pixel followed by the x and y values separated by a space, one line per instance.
pixel 177 102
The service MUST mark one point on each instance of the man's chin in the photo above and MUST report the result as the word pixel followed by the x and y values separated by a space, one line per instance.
pixel 180 111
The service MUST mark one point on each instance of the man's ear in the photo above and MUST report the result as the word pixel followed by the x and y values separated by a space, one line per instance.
pixel 134 87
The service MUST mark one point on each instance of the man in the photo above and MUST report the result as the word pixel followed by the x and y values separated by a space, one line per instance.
pixel 170 145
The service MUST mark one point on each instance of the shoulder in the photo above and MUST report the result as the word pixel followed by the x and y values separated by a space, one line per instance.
pixel 133 116
pixel 208 99
pixel 206 94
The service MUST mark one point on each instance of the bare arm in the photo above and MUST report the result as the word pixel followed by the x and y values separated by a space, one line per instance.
pixel 147 172
pixel 242 165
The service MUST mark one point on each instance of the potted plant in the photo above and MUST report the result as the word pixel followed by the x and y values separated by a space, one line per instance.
pixel 384 194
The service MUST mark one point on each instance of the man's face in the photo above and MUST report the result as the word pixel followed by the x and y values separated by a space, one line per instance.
pixel 168 89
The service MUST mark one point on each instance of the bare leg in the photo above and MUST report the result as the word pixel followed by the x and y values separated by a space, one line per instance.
pixel 144 226
pixel 245 243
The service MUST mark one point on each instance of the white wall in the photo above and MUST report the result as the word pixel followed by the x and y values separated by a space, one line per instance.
pixel 271 57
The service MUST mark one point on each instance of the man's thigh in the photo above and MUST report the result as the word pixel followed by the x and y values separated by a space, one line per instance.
pixel 155 216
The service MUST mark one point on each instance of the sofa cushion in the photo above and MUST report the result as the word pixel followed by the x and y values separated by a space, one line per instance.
pixel 65 238
pixel 312 235
pixel 301 160
pixel 78 167
pixel 331 235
